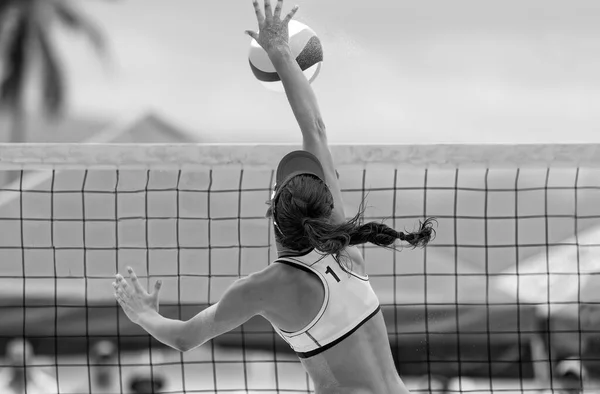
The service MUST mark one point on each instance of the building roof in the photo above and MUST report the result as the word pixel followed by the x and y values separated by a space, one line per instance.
pixel 144 127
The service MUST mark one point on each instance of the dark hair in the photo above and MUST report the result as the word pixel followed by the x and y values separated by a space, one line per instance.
pixel 302 212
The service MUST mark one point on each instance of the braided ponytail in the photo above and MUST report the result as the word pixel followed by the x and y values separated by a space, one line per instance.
pixel 331 239
pixel 303 221
pixel 422 237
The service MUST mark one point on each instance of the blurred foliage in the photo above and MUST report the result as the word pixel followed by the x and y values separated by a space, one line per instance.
pixel 25 40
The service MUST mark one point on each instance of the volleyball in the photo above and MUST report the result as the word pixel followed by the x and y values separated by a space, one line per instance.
pixel 306 48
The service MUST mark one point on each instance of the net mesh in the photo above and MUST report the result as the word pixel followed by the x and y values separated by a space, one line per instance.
pixel 502 300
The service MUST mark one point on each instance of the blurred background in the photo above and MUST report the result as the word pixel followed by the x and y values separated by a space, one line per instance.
pixel 141 71
pixel 461 71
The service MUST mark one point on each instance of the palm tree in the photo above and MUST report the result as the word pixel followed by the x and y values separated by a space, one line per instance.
pixel 25 27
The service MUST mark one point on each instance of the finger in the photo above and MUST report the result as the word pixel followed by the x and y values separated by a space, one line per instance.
pixel 122 303
pixel 134 279
pixel 268 11
pixel 259 14
pixel 278 7
pixel 156 293
pixel 290 16
pixel 120 300
pixel 252 34
pixel 123 295
pixel 157 286
pixel 122 283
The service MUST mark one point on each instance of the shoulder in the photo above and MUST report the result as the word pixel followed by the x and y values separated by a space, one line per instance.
pixel 270 277
pixel 352 256
pixel 264 285
pixel 353 252
pixel 274 287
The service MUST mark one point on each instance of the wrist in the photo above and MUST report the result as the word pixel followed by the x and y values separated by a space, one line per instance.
pixel 146 317
pixel 279 51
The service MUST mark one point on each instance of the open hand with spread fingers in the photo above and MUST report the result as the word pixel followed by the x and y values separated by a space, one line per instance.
pixel 273 31
pixel 135 300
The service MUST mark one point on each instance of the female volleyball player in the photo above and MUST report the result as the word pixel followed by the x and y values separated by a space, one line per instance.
pixel 318 298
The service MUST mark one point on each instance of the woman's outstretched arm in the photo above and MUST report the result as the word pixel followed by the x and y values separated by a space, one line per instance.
pixel 273 38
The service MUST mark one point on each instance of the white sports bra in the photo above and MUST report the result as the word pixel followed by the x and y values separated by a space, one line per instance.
pixel 349 302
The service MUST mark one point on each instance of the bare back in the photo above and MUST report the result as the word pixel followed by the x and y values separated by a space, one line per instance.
pixel 362 363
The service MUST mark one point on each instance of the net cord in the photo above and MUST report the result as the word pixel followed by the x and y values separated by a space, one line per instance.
pixel 46 156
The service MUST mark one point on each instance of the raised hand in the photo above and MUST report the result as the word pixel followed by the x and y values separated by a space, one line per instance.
pixel 273 31
pixel 135 300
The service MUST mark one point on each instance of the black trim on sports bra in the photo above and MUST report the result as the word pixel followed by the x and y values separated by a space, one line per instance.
pixel 300 267
pixel 346 270
pixel 332 344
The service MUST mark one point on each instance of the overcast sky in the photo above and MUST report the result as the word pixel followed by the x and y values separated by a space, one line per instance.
pixel 395 71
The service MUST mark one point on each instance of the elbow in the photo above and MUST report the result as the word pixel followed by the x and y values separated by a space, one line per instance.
pixel 181 346
pixel 320 129
pixel 181 342
pixel 320 126
pixel 315 129
pixel 185 343
pixel 184 348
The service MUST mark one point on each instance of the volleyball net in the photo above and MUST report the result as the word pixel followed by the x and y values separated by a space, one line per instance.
pixel 507 290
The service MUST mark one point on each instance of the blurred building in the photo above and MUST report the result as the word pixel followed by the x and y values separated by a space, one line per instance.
pixel 143 127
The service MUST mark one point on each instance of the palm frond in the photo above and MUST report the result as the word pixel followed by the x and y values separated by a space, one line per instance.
pixel 14 61
pixel 76 20
pixel 9 15
pixel 53 89
pixel 5 5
